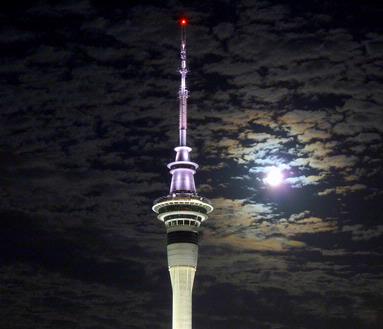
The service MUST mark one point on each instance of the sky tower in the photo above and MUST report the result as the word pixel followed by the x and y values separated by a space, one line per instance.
pixel 182 211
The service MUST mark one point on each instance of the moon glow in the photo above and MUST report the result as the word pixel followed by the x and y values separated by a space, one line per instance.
pixel 274 177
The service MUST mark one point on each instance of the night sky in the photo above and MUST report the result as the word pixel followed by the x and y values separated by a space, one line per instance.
pixel 89 118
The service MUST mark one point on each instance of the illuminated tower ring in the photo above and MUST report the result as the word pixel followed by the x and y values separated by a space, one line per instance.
pixel 182 209
pixel 182 212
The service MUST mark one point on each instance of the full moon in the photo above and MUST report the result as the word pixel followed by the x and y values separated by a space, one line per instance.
pixel 274 177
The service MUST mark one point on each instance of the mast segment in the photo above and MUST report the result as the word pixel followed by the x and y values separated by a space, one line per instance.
pixel 183 92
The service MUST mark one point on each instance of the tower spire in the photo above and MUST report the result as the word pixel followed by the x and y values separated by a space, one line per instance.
pixel 183 92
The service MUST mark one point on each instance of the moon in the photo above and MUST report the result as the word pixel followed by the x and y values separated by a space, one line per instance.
pixel 274 177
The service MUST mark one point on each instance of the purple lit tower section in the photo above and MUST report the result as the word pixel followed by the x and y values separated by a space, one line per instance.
pixel 182 211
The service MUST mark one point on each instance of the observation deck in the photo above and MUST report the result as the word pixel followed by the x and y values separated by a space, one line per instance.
pixel 182 209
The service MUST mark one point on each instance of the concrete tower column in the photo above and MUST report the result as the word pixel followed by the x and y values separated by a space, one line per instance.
pixel 182 261
pixel 182 278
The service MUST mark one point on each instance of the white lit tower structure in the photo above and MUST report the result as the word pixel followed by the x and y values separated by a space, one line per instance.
pixel 182 211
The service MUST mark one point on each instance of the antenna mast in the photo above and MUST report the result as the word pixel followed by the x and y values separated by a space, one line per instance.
pixel 183 92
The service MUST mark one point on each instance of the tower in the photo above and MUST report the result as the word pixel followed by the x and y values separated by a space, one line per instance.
pixel 182 211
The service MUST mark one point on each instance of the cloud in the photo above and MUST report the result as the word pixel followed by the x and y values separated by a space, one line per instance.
pixel 276 244
pixel 303 180
pixel 245 226
pixel 224 30
pixel 342 190
pixel 362 233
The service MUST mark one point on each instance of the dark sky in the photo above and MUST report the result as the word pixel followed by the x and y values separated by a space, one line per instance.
pixel 88 104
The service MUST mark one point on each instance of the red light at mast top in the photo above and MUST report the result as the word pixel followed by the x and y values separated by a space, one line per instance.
pixel 183 21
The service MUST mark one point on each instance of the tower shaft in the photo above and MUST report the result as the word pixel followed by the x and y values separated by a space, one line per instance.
pixel 182 260
pixel 182 278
